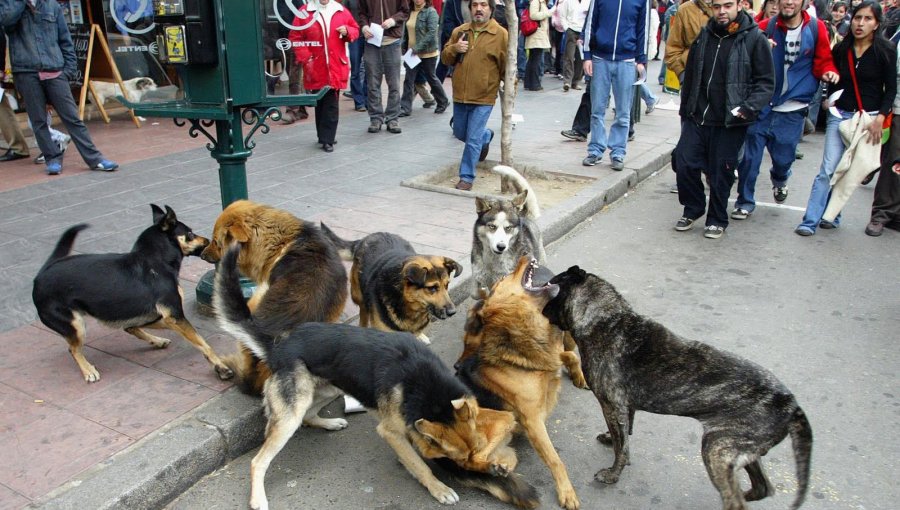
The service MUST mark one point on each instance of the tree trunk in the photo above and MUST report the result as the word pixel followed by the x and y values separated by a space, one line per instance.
pixel 510 85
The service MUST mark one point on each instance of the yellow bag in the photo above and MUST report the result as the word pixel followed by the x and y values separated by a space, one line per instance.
pixel 672 86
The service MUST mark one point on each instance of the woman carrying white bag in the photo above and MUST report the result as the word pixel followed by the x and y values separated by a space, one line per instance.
pixel 867 63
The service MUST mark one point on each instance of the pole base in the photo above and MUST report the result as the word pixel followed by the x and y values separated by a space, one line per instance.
pixel 205 292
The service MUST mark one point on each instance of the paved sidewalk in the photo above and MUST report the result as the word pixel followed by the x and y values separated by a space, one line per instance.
pixel 158 420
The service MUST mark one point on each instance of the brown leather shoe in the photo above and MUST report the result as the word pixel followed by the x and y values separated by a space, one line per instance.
pixel 463 185
pixel 874 229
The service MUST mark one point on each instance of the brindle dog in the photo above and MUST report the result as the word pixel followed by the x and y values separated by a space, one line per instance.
pixel 634 364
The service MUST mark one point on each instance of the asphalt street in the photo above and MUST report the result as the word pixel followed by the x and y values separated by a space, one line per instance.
pixel 819 312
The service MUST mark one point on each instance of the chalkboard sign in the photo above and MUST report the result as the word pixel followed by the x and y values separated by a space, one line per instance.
pixel 81 38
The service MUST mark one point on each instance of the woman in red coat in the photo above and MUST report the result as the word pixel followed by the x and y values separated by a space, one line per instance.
pixel 321 48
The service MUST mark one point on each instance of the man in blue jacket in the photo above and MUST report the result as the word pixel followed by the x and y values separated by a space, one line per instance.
pixel 615 53
pixel 43 61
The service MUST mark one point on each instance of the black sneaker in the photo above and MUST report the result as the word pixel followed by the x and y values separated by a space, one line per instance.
pixel 740 214
pixel 713 232
pixel 591 159
pixel 573 135
pixel 485 148
pixel 684 224
pixel 780 193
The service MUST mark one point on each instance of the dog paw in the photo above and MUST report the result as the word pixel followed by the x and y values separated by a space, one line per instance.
pixel 162 343
pixel 501 470
pixel 580 382
pixel 568 499
pixel 326 423
pixel 607 475
pixel 424 339
pixel 91 375
pixel 259 504
pixel 445 495
pixel 605 438
pixel 223 372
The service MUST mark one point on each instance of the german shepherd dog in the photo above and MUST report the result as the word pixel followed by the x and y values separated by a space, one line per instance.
pixel 424 410
pixel 395 288
pixel 635 364
pixel 298 274
pixel 133 291
pixel 513 359
pixel 505 230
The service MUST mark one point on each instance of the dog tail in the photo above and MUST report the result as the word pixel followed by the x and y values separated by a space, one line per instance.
pixel 510 489
pixel 802 441
pixel 64 245
pixel 231 310
pixel 346 249
pixel 532 209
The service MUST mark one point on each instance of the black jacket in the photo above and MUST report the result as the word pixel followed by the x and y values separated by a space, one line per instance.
pixel 726 70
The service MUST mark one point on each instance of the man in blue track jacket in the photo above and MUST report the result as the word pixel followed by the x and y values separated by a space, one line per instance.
pixel 615 53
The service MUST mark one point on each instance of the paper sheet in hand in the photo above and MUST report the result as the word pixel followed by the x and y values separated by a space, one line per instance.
pixel 377 34
pixel 411 60
pixel 833 99
pixel 641 77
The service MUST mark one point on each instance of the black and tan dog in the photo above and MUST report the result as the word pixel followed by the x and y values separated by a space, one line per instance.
pixel 298 274
pixel 635 364
pixel 395 288
pixel 424 411
pixel 513 360
pixel 133 291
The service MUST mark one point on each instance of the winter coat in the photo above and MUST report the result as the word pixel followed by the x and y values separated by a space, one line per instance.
pixel 684 28
pixel 804 74
pixel 324 59
pixel 538 11
pixel 748 74
pixel 477 79
pixel 39 39
pixel 617 30
pixel 859 159
pixel 377 11
pixel 427 21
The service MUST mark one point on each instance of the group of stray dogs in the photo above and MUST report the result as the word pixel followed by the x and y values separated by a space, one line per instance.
pixel 521 331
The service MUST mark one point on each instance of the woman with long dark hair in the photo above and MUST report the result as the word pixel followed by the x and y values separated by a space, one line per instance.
pixel 874 63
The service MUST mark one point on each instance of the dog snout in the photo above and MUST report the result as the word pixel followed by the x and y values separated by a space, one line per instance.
pixel 501 247
pixel 449 311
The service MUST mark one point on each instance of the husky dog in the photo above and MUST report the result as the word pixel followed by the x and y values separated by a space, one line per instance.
pixel 505 231
pixel 633 363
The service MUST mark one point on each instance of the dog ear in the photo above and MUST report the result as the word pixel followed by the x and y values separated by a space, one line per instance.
pixel 168 221
pixel 157 213
pixel 239 231
pixel 576 274
pixel 415 274
pixel 482 205
pixel 519 200
pixel 452 266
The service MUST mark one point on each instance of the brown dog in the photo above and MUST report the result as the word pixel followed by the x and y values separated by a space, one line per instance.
pixel 298 273
pixel 395 288
pixel 514 362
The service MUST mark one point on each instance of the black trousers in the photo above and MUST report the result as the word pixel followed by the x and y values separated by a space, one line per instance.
pixel 426 70
pixel 886 205
pixel 327 115
pixel 533 69
pixel 714 149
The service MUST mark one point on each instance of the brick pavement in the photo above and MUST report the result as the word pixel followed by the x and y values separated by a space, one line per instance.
pixel 53 426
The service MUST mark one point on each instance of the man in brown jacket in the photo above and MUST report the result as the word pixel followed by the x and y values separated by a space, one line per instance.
pixel 478 50
pixel 684 27
pixel 384 61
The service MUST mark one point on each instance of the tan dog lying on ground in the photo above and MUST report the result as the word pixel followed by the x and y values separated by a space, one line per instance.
pixel 298 273
pixel 395 288
pixel 513 361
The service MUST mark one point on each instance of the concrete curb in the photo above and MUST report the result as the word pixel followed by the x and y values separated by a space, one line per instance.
pixel 158 468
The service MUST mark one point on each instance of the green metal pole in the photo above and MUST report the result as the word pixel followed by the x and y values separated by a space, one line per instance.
pixel 232 156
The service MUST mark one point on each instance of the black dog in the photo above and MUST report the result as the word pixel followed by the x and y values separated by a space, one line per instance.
pixel 635 364
pixel 131 291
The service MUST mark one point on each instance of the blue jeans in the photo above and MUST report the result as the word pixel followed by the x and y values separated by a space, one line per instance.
pixel 779 132
pixel 358 73
pixel 618 77
pixel 520 58
pixel 647 95
pixel 470 126
pixel 821 187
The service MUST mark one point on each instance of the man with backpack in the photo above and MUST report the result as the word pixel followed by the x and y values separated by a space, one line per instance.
pixel 801 56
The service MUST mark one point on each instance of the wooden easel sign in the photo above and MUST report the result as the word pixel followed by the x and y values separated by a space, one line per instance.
pixel 98 66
